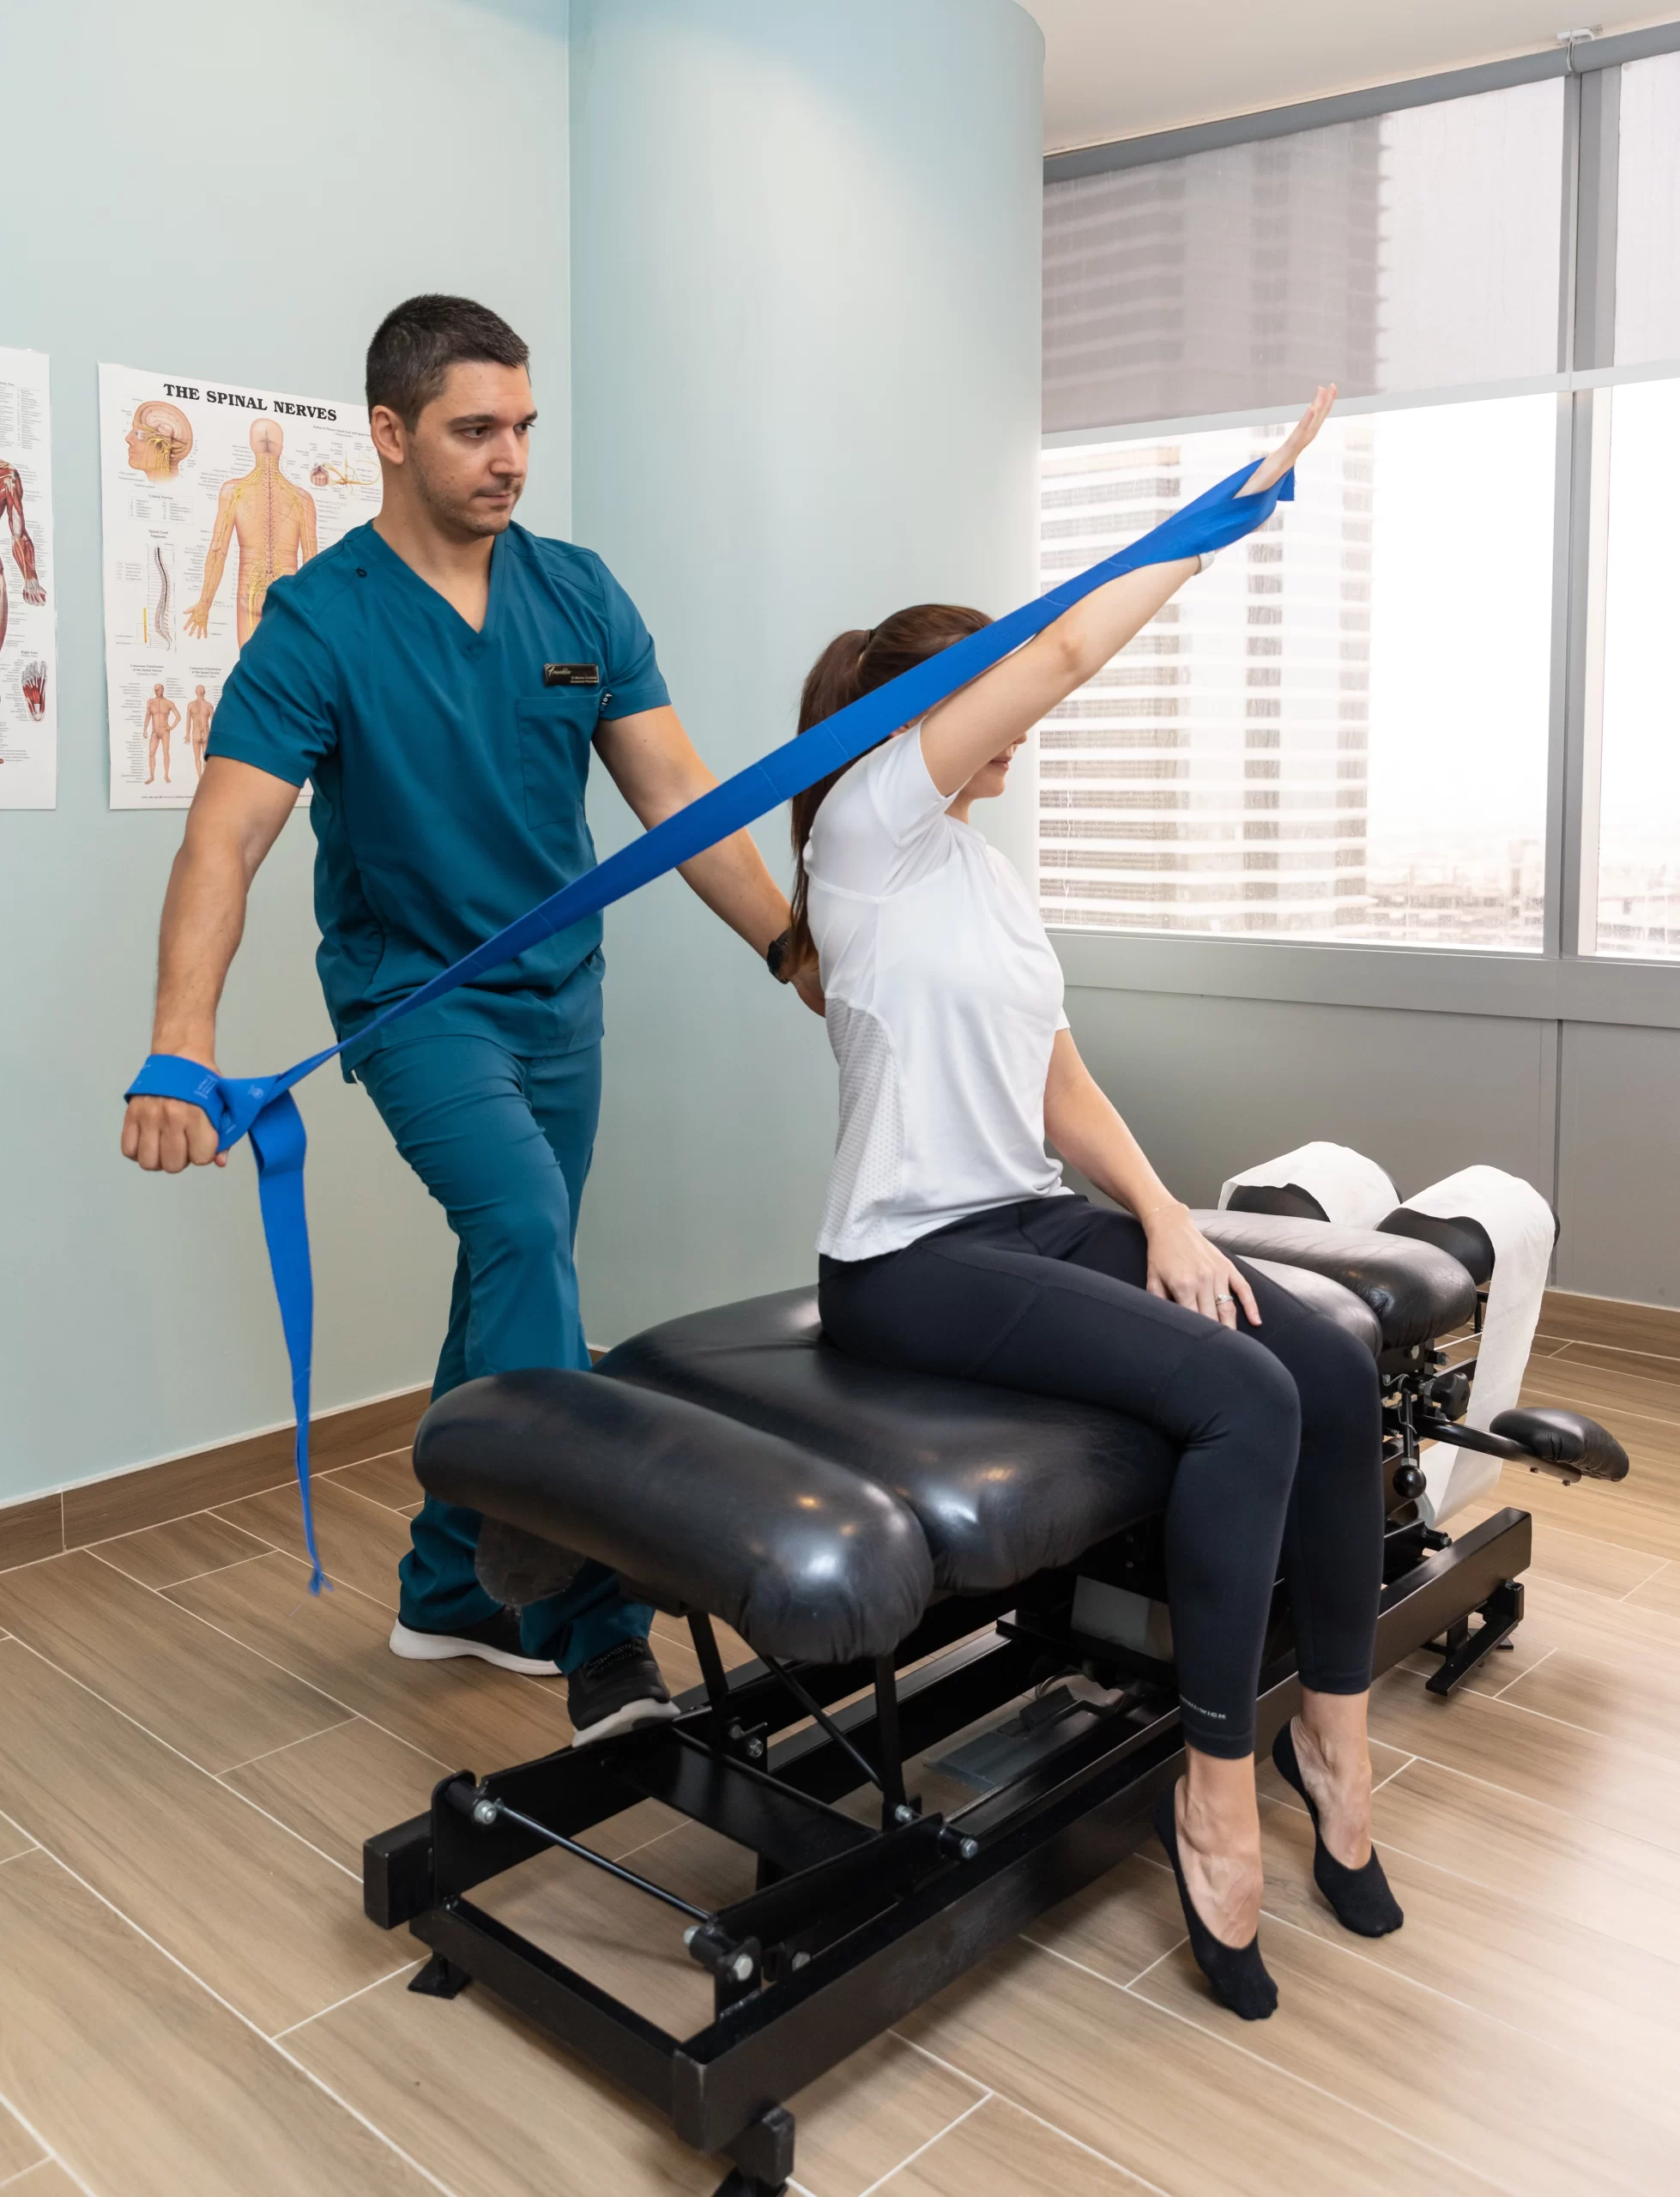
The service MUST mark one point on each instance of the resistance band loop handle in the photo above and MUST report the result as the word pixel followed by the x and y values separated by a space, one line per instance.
pixel 264 1109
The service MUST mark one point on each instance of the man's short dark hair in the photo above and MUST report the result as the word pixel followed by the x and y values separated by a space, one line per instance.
pixel 415 346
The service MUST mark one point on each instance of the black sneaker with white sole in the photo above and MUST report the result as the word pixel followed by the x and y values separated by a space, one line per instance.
pixel 619 1688
pixel 492 1640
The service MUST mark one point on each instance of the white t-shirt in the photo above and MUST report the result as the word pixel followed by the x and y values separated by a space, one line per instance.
pixel 944 1000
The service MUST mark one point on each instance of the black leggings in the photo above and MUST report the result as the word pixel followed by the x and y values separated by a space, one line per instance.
pixel 1279 1425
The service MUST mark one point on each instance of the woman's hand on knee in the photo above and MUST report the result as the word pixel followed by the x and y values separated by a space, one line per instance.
pixel 1186 1267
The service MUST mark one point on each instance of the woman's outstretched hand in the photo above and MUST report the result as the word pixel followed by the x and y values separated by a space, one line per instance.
pixel 1186 1267
pixel 1291 447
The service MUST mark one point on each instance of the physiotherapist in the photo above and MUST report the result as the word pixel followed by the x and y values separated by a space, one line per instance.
pixel 441 676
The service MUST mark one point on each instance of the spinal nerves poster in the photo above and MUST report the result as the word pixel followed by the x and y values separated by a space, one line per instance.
pixel 211 493
pixel 29 666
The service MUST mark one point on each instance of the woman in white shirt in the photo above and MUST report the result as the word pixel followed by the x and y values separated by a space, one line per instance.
pixel 950 1244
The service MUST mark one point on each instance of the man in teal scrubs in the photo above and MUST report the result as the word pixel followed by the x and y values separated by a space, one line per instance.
pixel 442 677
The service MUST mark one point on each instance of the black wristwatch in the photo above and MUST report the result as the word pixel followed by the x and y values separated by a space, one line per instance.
pixel 776 955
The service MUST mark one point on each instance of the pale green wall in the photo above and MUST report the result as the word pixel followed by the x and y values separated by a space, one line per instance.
pixel 238 193
pixel 807 375
pixel 805 256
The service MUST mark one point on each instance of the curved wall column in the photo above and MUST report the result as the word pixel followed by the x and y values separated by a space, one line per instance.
pixel 805 372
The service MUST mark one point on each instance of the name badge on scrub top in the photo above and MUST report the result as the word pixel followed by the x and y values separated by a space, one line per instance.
pixel 572 675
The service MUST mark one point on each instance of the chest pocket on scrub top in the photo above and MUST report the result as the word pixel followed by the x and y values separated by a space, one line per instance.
pixel 555 729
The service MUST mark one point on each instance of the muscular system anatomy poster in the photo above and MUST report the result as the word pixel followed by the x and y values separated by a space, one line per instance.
pixel 29 580
pixel 211 492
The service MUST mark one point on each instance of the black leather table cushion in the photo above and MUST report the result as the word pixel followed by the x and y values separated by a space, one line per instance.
pixel 800 1555
pixel 1002 1483
pixel 1326 1298
pixel 1416 1290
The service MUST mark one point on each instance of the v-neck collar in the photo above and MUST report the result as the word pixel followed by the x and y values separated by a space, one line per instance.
pixel 442 608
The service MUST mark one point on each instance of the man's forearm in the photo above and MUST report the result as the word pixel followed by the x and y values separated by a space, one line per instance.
pixel 654 767
pixel 731 878
pixel 203 920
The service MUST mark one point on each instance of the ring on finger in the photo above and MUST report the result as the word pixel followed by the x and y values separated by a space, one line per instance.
pixel 1222 1300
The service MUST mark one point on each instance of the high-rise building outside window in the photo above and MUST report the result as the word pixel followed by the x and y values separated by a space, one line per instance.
pixel 1339 732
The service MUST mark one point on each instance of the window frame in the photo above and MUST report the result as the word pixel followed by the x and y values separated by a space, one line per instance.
pixel 1568 980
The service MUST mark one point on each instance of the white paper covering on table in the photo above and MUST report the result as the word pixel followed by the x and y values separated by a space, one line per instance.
pixel 1353 1190
pixel 1520 1228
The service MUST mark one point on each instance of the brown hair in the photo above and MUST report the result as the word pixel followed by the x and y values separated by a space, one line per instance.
pixel 417 342
pixel 854 664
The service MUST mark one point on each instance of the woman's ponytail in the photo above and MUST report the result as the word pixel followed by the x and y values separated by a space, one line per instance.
pixel 854 664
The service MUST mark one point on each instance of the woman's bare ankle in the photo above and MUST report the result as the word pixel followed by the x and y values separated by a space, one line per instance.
pixel 1334 1754
pixel 1217 1816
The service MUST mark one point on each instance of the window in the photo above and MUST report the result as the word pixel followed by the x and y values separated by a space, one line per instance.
pixel 1638 885
pixel 1648 239
pixel 1275 753
pixel 1372 722
pixel 1413 251
pixel 1631 874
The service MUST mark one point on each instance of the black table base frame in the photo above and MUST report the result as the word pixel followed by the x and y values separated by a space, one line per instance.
pixel 850 1927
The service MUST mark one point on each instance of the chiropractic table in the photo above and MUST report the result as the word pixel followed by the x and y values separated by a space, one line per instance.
pixel 908 1558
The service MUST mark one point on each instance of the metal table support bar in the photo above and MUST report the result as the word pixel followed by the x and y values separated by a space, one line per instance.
pixel 814 1708
pixel 487 1811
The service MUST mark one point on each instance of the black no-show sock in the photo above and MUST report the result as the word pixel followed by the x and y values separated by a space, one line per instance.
pixel 1237 1973
pixel 1361 1898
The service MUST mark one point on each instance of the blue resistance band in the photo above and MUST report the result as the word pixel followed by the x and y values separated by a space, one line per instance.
pixel 265 1111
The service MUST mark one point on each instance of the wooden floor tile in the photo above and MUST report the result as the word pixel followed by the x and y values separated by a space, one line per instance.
pixel 998 2151
pixel 1619 1700
pixel 465 1713
pixel 1162 2097
pixel 1603 1780
pixel 148 1659
pixel 615 1935
pixel 1660 1592
pixel 1630 1689
pixel 674 1631
pixel 855 2124
pixel 1619 1378
pixel 389 1480
pixel 141 2083
pixel 1527 1963
pixel 18 2148
pixel 1119 1926
pixel 13 1840
pixel 1536 2118
pixel 1605 1879
pixel 265 1920
pixel 1640 1513
pixel 636 1828
pixel 341 1787
pixel 489 2106
pixel 48 2180
pixel 162 1556
pixel 1570 1559
pixel 361 1542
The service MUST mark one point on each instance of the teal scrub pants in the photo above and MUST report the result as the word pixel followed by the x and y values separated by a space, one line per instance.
pixel 503 1140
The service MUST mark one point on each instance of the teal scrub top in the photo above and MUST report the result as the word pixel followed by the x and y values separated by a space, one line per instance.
pixel 448 776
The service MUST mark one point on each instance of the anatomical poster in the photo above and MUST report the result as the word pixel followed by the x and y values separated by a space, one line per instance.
pixel 28 583
pixel 211 492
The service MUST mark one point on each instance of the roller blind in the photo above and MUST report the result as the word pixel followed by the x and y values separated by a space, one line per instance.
pixel 1414 251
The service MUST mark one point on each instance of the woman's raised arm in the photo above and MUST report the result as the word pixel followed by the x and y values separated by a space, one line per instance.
pixel 1003 704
